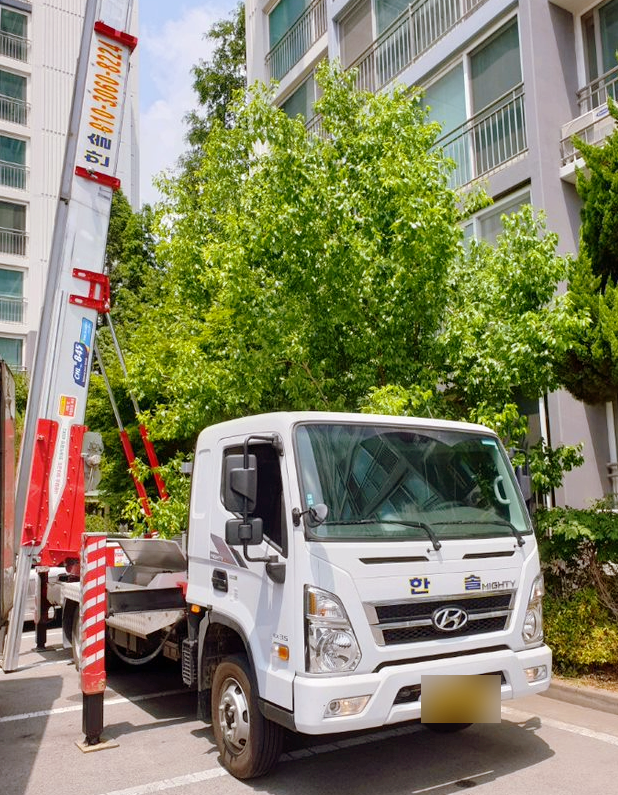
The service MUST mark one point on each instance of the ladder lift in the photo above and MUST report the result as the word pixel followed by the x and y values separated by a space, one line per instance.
pixel 49 502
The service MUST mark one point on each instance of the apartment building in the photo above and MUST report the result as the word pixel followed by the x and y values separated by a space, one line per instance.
pixel 510 81
pixel 39 46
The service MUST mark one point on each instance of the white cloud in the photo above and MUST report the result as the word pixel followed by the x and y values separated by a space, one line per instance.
pixel 167 54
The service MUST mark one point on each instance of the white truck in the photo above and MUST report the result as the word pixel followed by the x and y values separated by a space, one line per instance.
pixel 334 563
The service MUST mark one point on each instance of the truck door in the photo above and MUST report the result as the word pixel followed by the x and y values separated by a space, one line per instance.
pixel 246 589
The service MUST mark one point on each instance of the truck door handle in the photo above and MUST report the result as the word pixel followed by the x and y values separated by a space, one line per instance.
pixel 219 580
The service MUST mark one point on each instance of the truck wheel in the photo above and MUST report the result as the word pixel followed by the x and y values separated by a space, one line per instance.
pixel 447 728
pixel 249 744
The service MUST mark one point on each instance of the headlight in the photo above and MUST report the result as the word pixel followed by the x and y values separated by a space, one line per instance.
pixel 329 638
pixel 532 631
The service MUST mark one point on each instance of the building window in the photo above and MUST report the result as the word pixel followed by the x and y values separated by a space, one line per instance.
pixel 11 350
pixel 495 67
pixel 487 224
pixel 12 228
pixel 301 101
pixel 13 106
pixel 387 11
pixel 479 103
pixel 13 162
pixel 600 37
pixel 11 296
pixel 282 17
pixel 13 34
pixel 355 33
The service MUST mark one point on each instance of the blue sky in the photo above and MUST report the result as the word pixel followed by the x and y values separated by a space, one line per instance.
pixel 171 41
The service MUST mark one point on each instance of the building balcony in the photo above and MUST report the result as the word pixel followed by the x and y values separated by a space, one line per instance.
pixel 13 241
pixel 15 111
pixel 13 175
pixel 12 310
pixel 408 38
pixel 298 40
pixel 15 47
pixel 592 126
pixel 489 140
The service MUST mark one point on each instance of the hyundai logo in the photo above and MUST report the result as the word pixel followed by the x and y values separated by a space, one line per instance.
pixel 449 619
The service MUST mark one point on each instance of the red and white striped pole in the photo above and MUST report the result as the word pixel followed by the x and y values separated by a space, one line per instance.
pixel 92 623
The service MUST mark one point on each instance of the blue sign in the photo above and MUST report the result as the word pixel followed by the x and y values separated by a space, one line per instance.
pixel 80 359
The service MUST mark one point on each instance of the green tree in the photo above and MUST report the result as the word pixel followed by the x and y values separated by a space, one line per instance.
pixel 312 269
pixel 506 324
pixel 598 187
pixel 330 272
pixel 589 369
pixel 216 81
pixel 135 279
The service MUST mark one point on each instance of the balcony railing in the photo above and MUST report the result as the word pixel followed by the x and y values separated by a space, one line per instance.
pixel 12 175
pixel 14 47
pixel 13 110
pixel 596 93
pixel 314 126
pixel 600 125
pixel 13 241
pixel 488 140
pixel 12 309
pixel 303 34
pixel 411 34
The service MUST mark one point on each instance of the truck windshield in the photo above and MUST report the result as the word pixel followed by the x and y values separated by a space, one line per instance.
pixel 393 483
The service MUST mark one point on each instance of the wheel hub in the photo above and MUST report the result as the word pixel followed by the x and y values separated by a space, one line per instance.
pixel 234 716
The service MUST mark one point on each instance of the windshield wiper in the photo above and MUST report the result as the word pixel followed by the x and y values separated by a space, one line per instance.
pixel 500 522
pixel 404 522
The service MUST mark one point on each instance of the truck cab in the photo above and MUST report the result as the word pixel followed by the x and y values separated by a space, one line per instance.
pixel 335 560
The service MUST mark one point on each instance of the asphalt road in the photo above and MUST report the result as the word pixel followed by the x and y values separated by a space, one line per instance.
pixel 542 745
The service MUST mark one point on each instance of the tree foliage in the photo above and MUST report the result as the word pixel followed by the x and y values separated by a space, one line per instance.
pixel 589 369
pixel 135 280
pixel 598 187
pixel 302 271
pixel 329 272
pixel 313 268
pixel 216 81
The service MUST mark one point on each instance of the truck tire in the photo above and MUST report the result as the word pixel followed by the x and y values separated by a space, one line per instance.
pixel 249 744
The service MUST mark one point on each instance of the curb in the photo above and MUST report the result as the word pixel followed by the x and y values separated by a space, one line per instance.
pixel 583 696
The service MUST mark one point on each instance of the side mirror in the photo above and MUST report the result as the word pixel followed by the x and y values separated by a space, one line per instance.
pixel 317 514
pixel 239 532
pixel 239 484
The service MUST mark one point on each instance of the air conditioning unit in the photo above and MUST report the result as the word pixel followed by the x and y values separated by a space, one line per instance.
pixel 593 126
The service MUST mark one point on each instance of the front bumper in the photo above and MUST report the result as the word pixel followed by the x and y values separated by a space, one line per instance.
pixel 313 694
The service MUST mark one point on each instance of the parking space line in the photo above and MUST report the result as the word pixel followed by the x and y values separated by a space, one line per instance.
pixel 302 753
pixel 109 702
pixel 582 731
pixel 172 783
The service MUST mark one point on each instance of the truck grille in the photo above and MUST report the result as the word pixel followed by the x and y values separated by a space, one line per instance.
pixel 412 621
pixel 412 693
